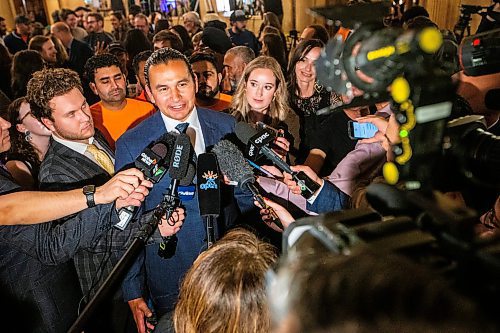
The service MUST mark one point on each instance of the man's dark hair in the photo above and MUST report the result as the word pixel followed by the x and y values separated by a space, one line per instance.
pixel 164 56
pixel 100 61
pixel 204 56
pixel 47 84
pixel 118 14
pixel 134 10
pixel 1 19
pixel 320 33
pixel 143 56
pixel 98 17
pixel 21 19
pixel 175 41
pixel 413 12
pixel 83 8
pixel 65 12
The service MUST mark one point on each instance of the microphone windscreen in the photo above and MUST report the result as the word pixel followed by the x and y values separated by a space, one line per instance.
pixel 160 149
pixel 492 99
pixel 208 183
pixel 190 173
pixel 232 163
pixel 244 132
pixel 180 157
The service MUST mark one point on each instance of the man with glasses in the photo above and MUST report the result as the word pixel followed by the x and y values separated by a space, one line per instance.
pixel 95 28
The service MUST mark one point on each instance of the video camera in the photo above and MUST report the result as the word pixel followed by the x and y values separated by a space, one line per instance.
pixel 434 153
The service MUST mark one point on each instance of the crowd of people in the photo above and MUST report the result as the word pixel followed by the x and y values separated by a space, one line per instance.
pixel 78 105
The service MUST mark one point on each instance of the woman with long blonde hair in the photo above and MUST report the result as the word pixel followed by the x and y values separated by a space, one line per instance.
pixel 262 96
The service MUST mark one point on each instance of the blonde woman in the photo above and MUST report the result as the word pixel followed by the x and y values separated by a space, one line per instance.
pixel 262 96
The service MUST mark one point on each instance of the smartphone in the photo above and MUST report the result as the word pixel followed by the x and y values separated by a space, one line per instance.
pixel 361 130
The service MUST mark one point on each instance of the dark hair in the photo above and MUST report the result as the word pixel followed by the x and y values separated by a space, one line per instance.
pixel 164 56
pixel 376 292
pixel 204 56
pixel 65 12
pixel 100 61
pixel 98 17
pixel 161 24
pixel 134 10
pixel 118 15
pixel 2 19
pixel 184 35
pixel 21 19
pixel 136 42
pixel 82 8
pixel 298 54
pixel 24 64
pixel 142 17
pixel 319 33
pixel 47 84
pixel 175 41
pixel 37 29
pixel 19 146
pixel 36 43
pixel 143 56
pixel 275 49
pixel 413 12
pixel 419 23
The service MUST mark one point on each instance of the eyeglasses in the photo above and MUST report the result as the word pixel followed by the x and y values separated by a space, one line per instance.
pixel 27 114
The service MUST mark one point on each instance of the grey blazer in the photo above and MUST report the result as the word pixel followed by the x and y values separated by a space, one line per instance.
pixel 64 169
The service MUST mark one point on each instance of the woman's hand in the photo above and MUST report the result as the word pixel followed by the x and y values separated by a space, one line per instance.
pixel 285 217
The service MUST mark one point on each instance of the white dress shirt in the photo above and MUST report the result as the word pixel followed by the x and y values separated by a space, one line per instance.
pixel 81 148
pixel 194 123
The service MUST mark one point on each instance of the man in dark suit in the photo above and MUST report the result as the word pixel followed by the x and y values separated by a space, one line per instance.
pixel 171 84
pixel 37 279
pixel 78 52
pixel 79 156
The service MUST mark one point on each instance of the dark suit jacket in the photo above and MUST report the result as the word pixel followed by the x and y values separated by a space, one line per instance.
pixel 64 169
pixel 79 53
pixel 329 199
pixel 37 278
pixel 162 276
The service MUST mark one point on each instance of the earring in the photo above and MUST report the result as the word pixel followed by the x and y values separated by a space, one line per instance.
pixel 27 136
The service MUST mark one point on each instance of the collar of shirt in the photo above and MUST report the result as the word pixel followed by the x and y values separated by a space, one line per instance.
pixel 76 146
pixel 194 123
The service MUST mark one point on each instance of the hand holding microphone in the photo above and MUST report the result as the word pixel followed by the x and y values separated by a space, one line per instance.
pixel 234 166
pixel 257 143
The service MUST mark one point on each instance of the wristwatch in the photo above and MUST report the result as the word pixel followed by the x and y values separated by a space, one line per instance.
pixel 89 191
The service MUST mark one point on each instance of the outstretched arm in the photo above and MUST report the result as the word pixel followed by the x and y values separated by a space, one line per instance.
pixel 39 207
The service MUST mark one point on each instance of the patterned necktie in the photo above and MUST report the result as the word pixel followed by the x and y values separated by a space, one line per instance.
pixel 102 158
pixel 182 127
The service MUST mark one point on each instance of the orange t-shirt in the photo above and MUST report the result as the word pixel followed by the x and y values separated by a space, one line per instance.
pixel 113 124
pixel 222 103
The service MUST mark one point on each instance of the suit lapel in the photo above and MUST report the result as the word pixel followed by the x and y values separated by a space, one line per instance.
pixel 207 127
pixel 72 157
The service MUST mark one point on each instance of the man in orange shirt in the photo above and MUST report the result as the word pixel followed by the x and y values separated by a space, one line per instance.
pixel 208 94
pixel 115 113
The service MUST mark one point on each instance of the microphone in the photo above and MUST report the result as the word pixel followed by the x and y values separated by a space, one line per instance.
pixel 257 142
pixel 178 171
pixel 492 99
pixel 152 162
pixel 234 166
pixel 208 186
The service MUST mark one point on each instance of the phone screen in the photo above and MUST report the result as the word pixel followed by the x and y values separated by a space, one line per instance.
pixel 362 130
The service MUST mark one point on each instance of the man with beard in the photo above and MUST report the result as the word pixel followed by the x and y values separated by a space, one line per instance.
pixel 115 113
pixel 208 95
pixel 239 34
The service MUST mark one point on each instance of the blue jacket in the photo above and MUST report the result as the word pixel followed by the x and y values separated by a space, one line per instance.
pixel 163 276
